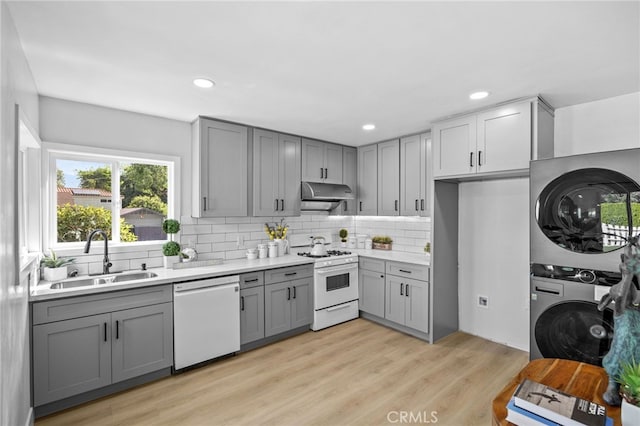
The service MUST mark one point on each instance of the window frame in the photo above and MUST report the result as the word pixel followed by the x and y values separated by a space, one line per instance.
pixel 54 151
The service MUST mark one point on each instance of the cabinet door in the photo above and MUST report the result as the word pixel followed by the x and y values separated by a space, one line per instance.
pixel 412 175
pixel 223 157
pixel 350 178
pixel 504 138
pixel 289 175
pixel 313 161
pixel 417 305
pixel 301 302
pixel 71 357
pixel 427 177
pixel 389 178
pixel 454 147
pixel 395 299
pixel 333 163
pixel 368 180
pixel 142 340
pixel 265 173
pixel 251 314
pixel 277 308
pixel 371 292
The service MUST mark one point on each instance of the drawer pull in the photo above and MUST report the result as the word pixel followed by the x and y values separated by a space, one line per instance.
pixel 404 270
pixel 251 281
pixel 288 274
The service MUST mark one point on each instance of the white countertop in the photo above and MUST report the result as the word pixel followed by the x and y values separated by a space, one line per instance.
pixel 396 256
pixel 165 276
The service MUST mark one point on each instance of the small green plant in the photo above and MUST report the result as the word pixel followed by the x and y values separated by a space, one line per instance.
pixel 171 248
pixel 53 261
pixel 629 379
pixel 343 235
pixel 427 248
pixel 170 226
pixel 382 239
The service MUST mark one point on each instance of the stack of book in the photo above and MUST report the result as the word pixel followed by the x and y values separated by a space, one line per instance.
pixel 535 404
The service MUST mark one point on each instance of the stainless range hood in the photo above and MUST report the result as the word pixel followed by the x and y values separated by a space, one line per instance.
pixel 318 196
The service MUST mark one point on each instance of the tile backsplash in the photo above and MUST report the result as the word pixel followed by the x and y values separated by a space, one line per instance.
pixel 229 237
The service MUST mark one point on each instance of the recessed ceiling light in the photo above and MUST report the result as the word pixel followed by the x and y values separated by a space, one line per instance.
pixel 478 95
pixel 205 83
pixel 368 127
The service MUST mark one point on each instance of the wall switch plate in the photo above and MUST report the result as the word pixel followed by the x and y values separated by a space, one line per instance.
pixel 483 301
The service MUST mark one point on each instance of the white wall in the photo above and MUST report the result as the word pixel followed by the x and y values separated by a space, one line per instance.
pixel 604 125
pixel 17 87
pixel 493 258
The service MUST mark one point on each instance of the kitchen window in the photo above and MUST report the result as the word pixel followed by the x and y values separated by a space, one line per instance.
pixel 126 195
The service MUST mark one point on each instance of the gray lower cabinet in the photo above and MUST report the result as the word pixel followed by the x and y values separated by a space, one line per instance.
pixel 74 352
pixel 407 302
pixel 251 314
pixel 288 305
pixel 371 290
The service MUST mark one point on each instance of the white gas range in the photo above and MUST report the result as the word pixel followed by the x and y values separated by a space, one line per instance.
pixel 335 282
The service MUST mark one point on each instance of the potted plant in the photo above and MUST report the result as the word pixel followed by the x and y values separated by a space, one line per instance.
pixel 54 267
pixel 343 237
pixel 629 379
pixel 171 249
pixel 427 248
pixel 382 242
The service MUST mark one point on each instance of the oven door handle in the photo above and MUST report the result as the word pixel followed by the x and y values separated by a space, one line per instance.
pixel 331 270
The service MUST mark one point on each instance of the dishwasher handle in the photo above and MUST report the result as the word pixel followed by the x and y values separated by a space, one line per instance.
pixel 206 283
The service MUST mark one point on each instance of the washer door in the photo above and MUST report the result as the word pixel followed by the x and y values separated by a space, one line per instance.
pixel 589 210
pixel 575 330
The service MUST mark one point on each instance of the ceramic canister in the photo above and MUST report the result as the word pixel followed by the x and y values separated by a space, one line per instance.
pixel 262 251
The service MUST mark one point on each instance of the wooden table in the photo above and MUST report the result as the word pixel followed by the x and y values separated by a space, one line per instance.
pixel 577 378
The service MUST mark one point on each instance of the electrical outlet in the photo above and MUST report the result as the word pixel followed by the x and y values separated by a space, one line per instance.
pixel 483 301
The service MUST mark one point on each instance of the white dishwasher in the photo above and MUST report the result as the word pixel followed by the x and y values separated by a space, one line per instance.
pixel 206 319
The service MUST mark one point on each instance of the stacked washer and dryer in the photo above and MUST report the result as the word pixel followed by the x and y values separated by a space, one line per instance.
pixel 581 214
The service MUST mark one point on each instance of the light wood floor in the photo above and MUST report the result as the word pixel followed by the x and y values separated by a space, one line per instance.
pixel 356 373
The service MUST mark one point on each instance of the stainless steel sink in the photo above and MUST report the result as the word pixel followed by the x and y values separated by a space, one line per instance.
pixel 103 279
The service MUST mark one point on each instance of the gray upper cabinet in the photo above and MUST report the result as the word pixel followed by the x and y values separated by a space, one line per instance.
pixel 276 174
pixel 500 140
pixel 414 199
pixel 350 178
pixel 321 161
pixel 389 178
pixel 219 167
pixel 368 180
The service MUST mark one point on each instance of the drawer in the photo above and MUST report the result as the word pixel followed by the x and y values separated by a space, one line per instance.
pixel 252 279
pixel 408 270
pixel 370 264
pixel 287 274
pixel 82 306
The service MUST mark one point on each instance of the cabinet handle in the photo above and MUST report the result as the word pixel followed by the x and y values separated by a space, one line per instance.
pixel 406 290
pixel 117 330
pixel 360 205
pixel 417 204
pixel 288 293
pixel 282 204
pixel 422 204
pixel 401 289
pixel 404 270
pixel 251 281
pixel 105 331
pixel 479 158
pixel 242 303
pixel 381 276
pixel 395 205
pixel 326 173
pixel 204 202
pixel 288 274
pixel 471 159
pixel 294 291
pixel 321 172
pixel 275 207
pixel 344 206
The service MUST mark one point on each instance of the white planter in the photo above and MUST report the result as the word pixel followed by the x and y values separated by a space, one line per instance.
pixel 169 261
pixel 55 274
pixel 629 414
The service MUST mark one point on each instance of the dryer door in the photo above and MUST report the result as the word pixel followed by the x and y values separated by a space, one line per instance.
pixel 589 210
pixel 575 330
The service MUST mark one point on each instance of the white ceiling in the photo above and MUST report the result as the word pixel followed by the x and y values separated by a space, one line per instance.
pixel 323 69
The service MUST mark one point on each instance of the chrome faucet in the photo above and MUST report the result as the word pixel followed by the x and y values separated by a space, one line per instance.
pixel 105 262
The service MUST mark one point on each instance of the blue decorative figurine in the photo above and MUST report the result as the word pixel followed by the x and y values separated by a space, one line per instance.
pixel 625 345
